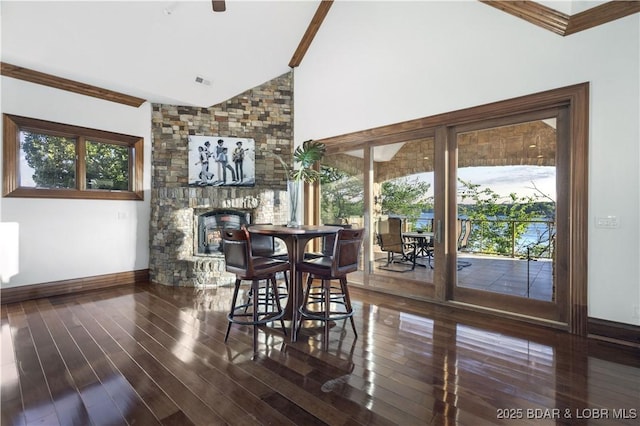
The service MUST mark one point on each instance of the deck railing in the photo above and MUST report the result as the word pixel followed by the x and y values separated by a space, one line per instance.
pixel 525 239
pixel 532 239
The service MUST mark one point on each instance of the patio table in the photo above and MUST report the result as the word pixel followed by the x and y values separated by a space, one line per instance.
pixel 423 249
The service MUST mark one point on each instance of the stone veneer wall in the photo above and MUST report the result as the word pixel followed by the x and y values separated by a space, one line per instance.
pixel 263 113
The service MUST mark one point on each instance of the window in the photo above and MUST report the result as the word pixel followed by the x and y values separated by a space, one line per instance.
pixel 43 159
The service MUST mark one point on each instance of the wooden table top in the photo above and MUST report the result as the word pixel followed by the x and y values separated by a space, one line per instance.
pixel 297 230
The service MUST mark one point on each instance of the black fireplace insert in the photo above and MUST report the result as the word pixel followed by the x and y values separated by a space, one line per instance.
pixel 211 224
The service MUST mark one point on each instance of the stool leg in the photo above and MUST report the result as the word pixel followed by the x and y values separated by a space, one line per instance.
pixel 347 301
pixel 326 288
pixel 274 284
pixel 234 299
pixel 254 288
pixel 305 298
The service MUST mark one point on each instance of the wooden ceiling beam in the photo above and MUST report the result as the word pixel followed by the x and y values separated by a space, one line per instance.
pixel 312 29
pixel 49 80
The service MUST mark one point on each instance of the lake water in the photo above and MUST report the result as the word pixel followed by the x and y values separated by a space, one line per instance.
pixel 536 231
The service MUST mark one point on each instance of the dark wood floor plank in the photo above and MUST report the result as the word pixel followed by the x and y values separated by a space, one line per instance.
pixel 296 415
pixel 150 354
pixel 37 402
pixel 314 407
pixel 153 396
pixel 333 381
pixel 10 398
pixel 99 406
pixel 336 391
pixel 233 383
pixel 64 392
pixel 188 402
pixel 125 398
pixel 168 352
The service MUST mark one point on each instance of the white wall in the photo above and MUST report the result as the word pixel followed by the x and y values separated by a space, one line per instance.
pixel 66 239
pixel 378 63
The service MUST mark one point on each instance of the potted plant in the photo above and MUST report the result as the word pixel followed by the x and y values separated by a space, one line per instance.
pixel 305 158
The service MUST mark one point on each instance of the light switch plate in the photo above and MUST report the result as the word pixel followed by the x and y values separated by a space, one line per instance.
pixel 608 222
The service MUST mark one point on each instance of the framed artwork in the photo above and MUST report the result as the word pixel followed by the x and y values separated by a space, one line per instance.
pixel 222 161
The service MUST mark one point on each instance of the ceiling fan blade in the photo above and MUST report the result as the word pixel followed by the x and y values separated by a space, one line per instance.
pixel 218 5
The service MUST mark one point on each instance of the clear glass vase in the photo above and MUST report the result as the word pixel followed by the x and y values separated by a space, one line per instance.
pixel 293 189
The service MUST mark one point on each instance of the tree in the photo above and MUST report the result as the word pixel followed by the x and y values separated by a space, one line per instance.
pixel 406 197
pixel 341 195
pixel 108 165
pixel 53 160
pixel 498 223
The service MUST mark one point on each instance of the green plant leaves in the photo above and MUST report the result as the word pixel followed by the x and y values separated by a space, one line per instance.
pixel 308 154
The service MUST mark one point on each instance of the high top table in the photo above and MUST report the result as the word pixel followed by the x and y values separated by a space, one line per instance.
pixel 296 239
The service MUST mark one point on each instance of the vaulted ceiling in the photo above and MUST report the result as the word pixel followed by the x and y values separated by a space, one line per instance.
pixel 182 53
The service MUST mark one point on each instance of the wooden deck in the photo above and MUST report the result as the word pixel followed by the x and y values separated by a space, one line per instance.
pixel 499 274
pixel 150 354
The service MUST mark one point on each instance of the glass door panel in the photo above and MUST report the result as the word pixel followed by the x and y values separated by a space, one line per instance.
pixel 342 193
pixel 506 217
pixel 402 217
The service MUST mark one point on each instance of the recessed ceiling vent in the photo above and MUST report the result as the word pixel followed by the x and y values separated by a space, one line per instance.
pixel 202 80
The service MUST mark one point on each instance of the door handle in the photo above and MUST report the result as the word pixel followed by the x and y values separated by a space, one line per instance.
pixel 438 231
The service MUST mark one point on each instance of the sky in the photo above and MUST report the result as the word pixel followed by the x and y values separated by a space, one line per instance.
pixel 506 179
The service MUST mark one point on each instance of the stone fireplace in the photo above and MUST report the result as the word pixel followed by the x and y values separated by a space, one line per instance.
pixel 181 214
pixel 185 215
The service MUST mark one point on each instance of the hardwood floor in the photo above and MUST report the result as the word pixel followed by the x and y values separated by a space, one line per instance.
pixel 149 354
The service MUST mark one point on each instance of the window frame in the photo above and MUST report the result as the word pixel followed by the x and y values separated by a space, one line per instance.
pixel 13 125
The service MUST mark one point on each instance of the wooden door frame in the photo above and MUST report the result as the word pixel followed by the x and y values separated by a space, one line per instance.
pixel 575 99
pixel 556 310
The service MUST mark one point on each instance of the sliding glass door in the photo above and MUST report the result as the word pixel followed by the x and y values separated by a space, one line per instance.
pixel 484 207
pixel 505 225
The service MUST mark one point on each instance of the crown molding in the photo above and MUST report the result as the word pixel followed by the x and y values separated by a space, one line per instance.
pixel 601 14
pixel 38 77
pixel 561 23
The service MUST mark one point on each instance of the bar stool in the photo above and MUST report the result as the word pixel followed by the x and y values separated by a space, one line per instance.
pixel 265 246
pixel 318 301
pixel 266 306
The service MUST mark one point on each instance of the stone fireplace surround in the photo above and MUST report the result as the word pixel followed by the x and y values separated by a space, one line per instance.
pixel 263 113
pixel 175 260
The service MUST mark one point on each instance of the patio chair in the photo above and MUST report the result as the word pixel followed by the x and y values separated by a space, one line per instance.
pixel 464 230
pixel 392 242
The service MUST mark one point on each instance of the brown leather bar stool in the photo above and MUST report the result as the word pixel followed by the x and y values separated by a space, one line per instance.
pixel 266 307
pixel 324 303
pixel 266 246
